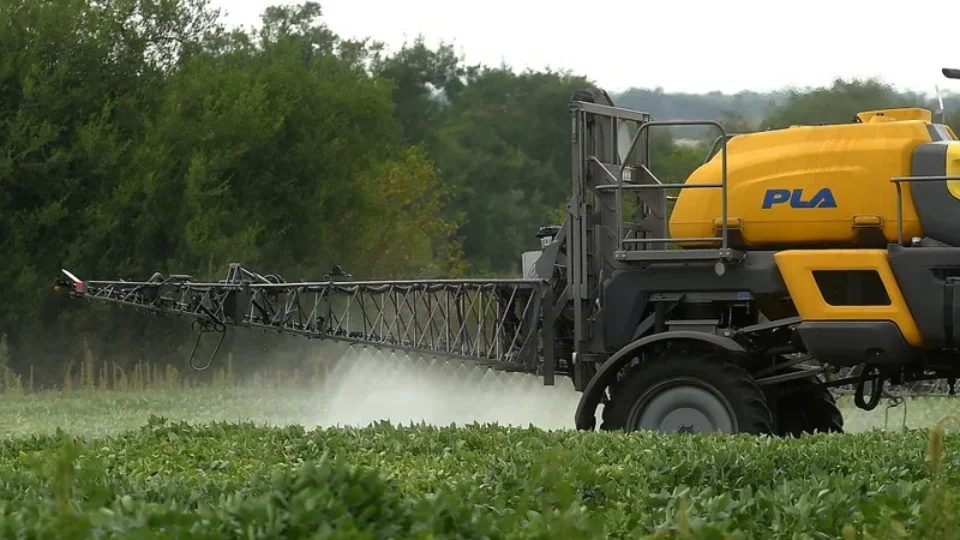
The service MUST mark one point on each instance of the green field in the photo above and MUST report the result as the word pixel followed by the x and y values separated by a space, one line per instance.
pixel 239 462
pixel 98 413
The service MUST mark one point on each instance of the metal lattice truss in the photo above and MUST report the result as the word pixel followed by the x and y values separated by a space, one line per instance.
pixel 493 322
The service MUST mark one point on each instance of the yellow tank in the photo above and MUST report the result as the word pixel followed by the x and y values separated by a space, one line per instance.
pixel 811 185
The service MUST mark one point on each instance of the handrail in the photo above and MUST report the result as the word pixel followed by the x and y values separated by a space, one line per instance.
pixel 663 187
pixel 911 179
pixel 713 147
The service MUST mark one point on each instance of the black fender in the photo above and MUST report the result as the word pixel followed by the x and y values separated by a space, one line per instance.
pixel 585 416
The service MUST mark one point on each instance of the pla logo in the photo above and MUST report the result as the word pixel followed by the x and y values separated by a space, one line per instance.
pixel 821 199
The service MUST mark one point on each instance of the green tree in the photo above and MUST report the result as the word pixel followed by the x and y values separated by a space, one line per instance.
pixel 76 81
pixel 838 103
pixel 424 82
pixel 162 141
pixel 504 146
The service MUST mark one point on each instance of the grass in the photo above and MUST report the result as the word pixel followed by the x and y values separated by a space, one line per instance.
pixel 101 413
pixel 235 480
pixel 149 454
pixel 104 412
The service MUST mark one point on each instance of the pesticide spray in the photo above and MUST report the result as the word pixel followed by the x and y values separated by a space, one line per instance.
pixel 367 385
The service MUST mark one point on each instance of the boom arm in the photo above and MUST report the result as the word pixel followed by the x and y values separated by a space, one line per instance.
pixel 492 322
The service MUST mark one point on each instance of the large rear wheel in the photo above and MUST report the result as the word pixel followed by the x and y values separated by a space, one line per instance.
pixel 804 408
pixel 687 393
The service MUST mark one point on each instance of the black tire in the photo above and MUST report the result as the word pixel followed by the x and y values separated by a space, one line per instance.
pixel 697 392
pixel 806 410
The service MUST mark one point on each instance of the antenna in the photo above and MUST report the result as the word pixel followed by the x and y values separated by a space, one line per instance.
pixel 941 115
pixel 950 73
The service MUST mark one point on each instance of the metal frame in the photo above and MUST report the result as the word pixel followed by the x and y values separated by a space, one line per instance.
pixel 897 181
pixel 490 321
pixel 618 187
pixel 660 186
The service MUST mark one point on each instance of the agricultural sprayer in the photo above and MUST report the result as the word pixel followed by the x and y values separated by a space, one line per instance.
pixel 718 303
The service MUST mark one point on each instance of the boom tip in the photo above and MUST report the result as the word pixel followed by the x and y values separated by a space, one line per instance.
pixel 72 277
pixel 75 283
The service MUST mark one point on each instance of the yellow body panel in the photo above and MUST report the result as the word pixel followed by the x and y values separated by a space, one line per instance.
pixel 797 266
pixel 855 161
pixel 953 169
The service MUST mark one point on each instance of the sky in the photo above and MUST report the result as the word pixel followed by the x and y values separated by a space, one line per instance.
pixel 679 45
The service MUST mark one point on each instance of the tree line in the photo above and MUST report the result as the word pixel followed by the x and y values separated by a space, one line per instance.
pixel 753 107
pixel 145 135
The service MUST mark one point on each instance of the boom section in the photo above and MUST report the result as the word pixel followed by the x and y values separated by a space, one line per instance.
pixel 490 321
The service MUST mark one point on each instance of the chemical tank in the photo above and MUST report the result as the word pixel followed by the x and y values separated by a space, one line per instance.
pixel 823 185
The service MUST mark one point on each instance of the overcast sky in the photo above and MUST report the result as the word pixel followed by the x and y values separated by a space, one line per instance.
pixel 726 45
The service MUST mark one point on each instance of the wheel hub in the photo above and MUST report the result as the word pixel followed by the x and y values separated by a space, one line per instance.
pixel 682 408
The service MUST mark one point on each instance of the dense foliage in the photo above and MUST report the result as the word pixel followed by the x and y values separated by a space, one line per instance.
pixel 243 481
pixel 754 109
pixel 142 135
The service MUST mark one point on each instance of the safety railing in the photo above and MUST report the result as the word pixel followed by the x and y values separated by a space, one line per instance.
pixel 898 181
pixel 716 144
pixel 662 187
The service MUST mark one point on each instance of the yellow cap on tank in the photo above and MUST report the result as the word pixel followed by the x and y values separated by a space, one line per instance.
pixel 896 115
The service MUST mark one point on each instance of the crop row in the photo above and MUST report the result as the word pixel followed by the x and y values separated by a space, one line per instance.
pixel 246 481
